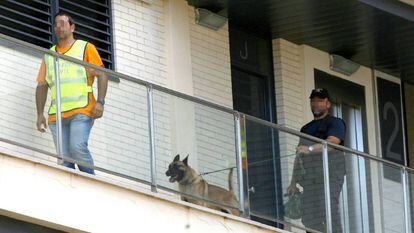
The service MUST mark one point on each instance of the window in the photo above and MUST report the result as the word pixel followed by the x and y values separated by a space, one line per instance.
pixel 93 24
pixel 27 20
pixel 31 21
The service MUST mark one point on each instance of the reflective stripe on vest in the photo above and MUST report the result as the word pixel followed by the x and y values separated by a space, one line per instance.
pixel 74 89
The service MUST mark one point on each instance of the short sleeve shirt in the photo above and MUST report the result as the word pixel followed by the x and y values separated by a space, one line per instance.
pixel 336 128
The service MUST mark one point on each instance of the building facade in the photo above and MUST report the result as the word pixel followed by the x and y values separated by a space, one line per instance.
pixel 263 60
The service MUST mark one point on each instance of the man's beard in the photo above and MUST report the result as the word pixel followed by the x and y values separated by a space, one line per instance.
pixel 318 113
pixel 62 36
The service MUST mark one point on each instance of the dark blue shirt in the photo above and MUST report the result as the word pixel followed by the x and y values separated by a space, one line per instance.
pixel 335 127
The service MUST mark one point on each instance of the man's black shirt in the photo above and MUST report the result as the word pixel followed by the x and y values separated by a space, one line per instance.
pixel 331 126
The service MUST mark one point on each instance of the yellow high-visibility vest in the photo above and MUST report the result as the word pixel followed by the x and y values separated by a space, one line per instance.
pixel 74 89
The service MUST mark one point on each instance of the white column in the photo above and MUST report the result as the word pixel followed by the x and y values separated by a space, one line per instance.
pixel 180 78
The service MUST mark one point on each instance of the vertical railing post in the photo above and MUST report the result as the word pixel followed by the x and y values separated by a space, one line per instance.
pixel 59 140
pixel 151 129
pixel 327 187
pixel 239 150
pixel 406 199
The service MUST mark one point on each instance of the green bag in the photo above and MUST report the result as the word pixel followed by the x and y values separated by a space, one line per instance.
pixel 293 207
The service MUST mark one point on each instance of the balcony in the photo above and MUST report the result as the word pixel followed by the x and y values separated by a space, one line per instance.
pixel 143 128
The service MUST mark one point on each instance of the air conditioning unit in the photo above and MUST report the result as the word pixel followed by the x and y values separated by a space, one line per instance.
pixel 343 65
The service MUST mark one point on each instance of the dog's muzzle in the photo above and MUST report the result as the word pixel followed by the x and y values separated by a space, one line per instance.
pixel 174 175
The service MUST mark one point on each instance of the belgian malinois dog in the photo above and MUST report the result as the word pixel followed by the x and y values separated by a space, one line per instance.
pixel 190 182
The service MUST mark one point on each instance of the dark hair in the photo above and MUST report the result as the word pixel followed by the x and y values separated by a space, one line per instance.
pixel 62 13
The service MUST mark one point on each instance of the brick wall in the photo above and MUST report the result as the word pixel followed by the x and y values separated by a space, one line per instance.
pixel 289 90
pixel 119 141
pixel 17 101
pixel 139 39
pixel 288 83
pixel 140 52
pixel 289 86
pixel 210 56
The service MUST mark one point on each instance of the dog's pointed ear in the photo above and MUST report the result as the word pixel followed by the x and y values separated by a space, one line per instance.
pixel 185 161
pixel 177 158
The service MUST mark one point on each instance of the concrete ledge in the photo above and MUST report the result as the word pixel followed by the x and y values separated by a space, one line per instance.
pixel 45 193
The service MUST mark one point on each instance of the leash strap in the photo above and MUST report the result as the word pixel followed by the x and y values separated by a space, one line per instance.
pixel 205 173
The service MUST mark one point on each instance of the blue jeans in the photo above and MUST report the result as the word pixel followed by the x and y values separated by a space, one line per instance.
pixel 75 135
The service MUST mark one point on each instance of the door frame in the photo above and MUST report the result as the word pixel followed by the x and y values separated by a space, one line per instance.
pixel 270 104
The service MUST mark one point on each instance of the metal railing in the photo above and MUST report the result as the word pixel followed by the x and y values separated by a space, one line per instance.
pixel 244 184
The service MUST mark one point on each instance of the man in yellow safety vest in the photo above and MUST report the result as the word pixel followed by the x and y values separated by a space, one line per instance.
pixel 78 105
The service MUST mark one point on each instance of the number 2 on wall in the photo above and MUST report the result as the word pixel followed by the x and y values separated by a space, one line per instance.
pixel 389 106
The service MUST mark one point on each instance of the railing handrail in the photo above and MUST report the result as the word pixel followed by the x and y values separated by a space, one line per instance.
pixel 336 146
pixel 119 75
pixel 201 101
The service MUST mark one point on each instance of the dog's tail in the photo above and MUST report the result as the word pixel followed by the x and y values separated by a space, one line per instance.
pixel 231 180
